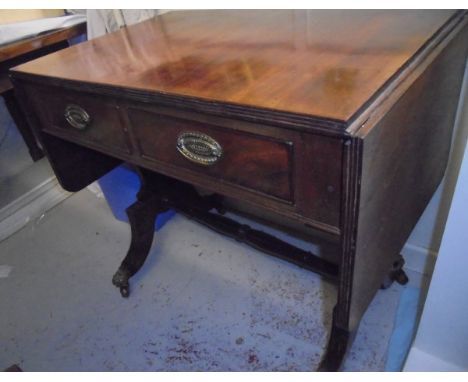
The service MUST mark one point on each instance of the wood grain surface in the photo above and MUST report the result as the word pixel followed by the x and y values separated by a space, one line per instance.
pixel 321 63
pixel 404 160
pixel 251 161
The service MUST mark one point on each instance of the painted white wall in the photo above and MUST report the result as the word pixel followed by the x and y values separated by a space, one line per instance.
pixel 423 245
pixel 441 342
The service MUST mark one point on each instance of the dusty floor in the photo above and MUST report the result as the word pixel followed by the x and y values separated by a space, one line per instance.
pixel 201 302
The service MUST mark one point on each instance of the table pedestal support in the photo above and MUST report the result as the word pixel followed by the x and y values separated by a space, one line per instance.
pixel 159 194
pixel 141 215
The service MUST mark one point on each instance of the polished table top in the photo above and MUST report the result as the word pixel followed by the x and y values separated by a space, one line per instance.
pixel 318 63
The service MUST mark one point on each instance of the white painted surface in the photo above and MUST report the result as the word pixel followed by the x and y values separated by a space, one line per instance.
pixel 422 361
pixel 27 196
pixel 27 189
pixel 30 206
pixel 442 339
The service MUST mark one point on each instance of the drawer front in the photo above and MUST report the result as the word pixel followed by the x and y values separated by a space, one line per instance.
pixel 255 162
pixel 81 117
pixel 295 174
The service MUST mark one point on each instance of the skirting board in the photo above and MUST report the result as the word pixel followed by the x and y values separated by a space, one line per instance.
pixel 420 361
pixel 419 259
pixel 30 205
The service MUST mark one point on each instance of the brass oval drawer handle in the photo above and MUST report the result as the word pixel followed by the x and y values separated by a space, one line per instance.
pixel 77 117
pixel 199 148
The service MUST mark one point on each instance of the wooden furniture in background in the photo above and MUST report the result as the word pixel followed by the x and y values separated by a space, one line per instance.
pixel 334 125
pixel 22 51
pixel 9 16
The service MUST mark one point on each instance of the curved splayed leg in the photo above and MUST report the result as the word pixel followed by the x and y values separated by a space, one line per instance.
pixel 142 215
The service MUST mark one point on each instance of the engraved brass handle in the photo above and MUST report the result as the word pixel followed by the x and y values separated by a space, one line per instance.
pixel 77 117
pixel 199 148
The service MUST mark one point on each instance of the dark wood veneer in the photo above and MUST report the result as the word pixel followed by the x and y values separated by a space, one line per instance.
pixel 404 159
pixel 342 125
pixel 104 130
pixel 257 162
pixel 314 63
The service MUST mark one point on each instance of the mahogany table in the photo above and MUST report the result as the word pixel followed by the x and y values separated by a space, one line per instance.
pixel 21 51
pixel 334 125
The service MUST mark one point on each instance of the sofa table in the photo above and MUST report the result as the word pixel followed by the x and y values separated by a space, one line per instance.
pixel 334 125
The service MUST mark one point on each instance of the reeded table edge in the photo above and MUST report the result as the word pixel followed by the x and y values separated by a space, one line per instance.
pixel 385 97
pixel 249 113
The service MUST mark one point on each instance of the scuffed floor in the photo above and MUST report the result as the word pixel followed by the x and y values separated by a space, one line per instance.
pixel 202 302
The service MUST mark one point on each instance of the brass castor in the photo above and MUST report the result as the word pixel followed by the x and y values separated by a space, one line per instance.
pixel 396 274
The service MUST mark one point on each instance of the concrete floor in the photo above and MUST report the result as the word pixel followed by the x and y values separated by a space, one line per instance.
pixel 201 302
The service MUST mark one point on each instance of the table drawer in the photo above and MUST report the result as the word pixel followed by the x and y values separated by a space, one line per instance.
pixel 81 117
pixel 256 162
pixel 295 174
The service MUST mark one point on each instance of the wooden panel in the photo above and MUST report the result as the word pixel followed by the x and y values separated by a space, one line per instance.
pixel 319 168
pixel 293 174
pixel 19 58
pixel 75 166
pixel 105 129
pixel 404 159
pixel 315 63
pixel 259 163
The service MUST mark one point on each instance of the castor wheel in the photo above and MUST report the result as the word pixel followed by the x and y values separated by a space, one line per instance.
pixel 400 277
pixel 125 291
pixel 396 274
pixel 120 280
